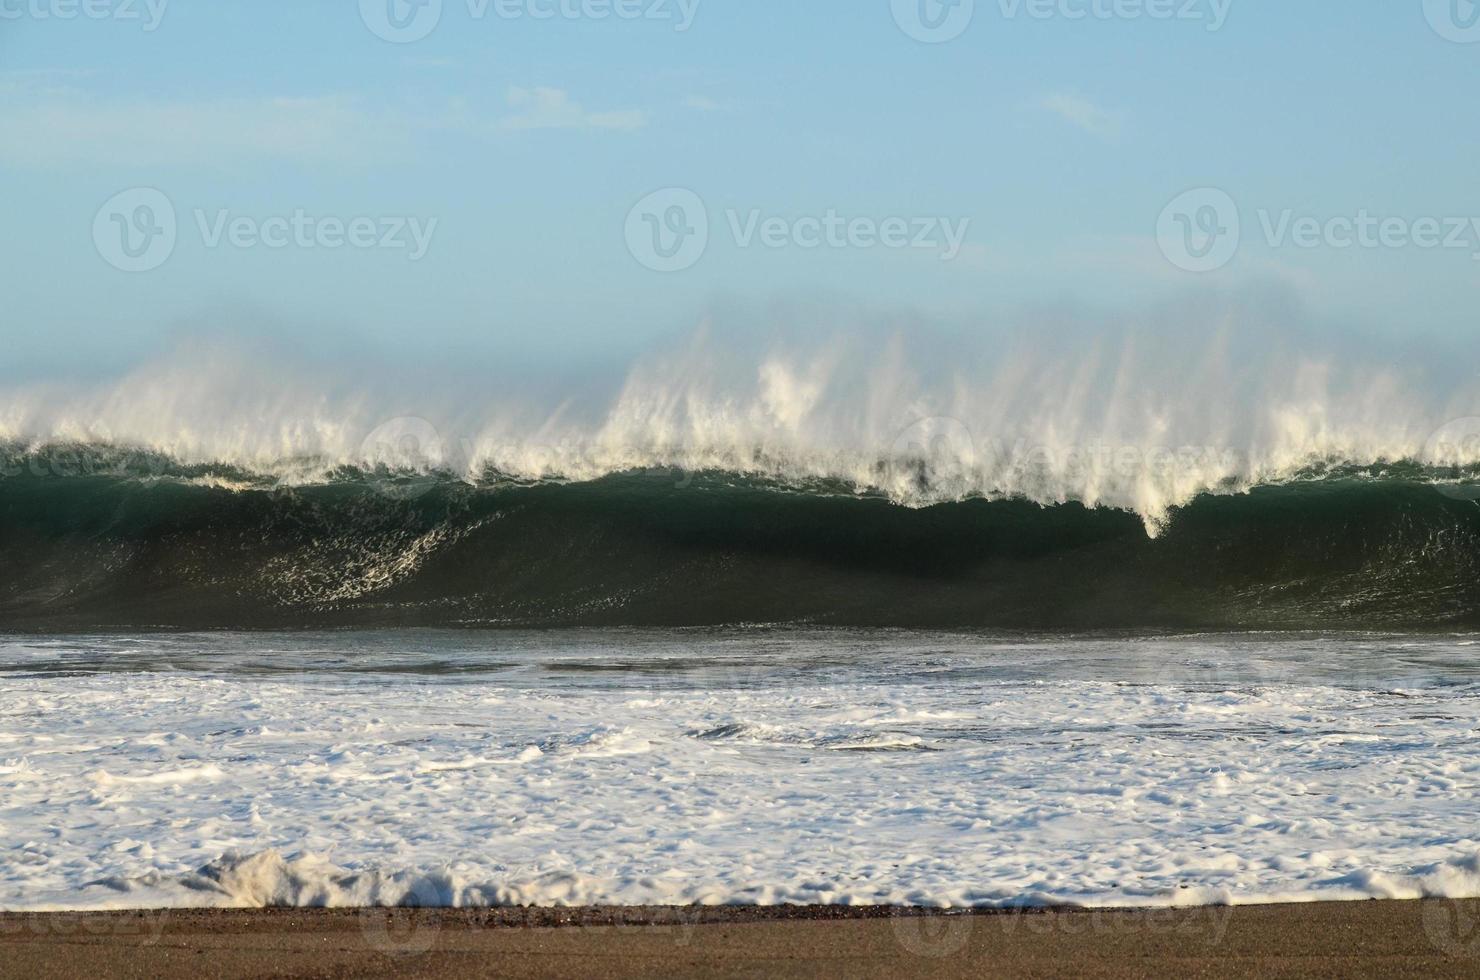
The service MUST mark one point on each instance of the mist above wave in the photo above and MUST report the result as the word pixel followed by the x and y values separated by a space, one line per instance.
pixel 1138 415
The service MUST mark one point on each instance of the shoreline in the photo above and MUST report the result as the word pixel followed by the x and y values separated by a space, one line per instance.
pixel 1434 937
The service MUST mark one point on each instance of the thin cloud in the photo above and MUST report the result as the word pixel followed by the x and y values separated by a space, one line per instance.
pixel 46 125
pixel 63 127
pixel 1082 113
pixel 553 108
pixel 700 103
pixel 15 77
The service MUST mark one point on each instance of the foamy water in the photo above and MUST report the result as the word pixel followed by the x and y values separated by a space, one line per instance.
pixel 756 766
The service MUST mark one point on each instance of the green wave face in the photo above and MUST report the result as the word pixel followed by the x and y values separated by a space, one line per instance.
pixel 116 539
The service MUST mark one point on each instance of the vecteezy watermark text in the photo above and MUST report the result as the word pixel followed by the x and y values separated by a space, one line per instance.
pixel 833 230
pixel 669 231
pixel 145 926
pixel 302 230
pixel 939 21
pixel 1202 230
pixel 935 935
pixel 148 13
pixel 406 21
pixel 136 230
pixel 1213 14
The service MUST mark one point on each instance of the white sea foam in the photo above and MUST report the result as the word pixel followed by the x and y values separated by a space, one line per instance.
pixel 744 768
pixel 1141 416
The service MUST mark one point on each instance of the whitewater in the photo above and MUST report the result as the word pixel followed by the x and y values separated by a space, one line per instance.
pixel 744 766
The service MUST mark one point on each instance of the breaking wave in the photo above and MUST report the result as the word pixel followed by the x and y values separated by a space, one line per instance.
pixel 1339 548
pixel 1236 476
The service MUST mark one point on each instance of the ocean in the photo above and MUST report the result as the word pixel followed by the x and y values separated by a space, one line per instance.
pixel 762 647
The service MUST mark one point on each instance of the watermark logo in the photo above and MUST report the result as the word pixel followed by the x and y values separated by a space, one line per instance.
pixel 668 231
pixel 1451 927
pixel 401 21
pixel 1199 231
pixel 407 930
pixel 402 455
pixel 1454 20
pixel 149 13
pixel 135 230
pixel 934 455
pixel 1456 444
pixel 932 935
pixel 933 21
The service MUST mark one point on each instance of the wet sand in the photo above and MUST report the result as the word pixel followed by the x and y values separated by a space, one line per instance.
pixel 1353 939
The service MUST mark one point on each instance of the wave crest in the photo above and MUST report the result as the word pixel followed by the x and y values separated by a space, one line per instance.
pixel 1141 417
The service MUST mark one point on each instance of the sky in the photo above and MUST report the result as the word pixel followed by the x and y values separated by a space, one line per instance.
pixel 556 181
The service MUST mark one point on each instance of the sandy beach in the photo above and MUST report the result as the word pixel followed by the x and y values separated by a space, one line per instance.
pixel 1351 939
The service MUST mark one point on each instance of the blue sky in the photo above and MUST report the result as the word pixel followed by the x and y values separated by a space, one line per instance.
pixel 520 146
